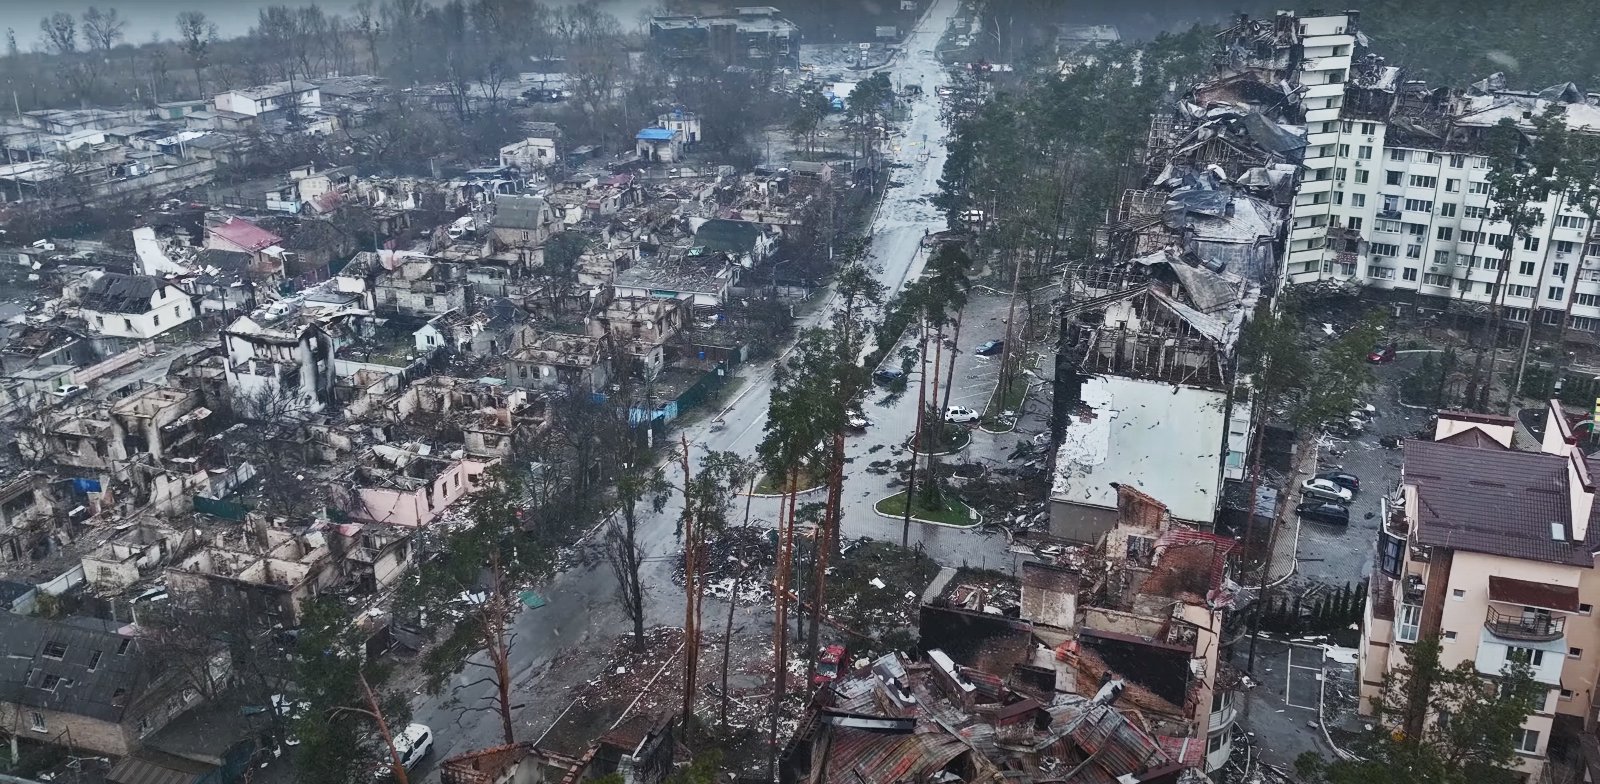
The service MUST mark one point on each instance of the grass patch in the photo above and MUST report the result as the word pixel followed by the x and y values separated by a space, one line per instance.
pixel 945 437
pixel 999 404
pixel 953 513
pixel 778 484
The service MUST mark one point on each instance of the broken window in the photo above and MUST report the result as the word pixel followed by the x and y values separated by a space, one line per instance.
pixel 55 650
pixel 1141 548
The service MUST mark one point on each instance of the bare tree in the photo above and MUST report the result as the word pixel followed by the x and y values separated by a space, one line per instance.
pixel 639 484
pixel 196 34
pixel 103 29
pixel 60 33
pixel 367 26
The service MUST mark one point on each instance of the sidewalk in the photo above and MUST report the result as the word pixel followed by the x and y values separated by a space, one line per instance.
pixel 1285 554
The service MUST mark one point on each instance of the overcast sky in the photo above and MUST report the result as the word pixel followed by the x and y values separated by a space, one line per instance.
pixel 148 17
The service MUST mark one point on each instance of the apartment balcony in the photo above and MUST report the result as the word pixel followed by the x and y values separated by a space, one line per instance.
pixel 1534 628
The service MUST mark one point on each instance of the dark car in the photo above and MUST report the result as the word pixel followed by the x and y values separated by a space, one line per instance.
pixel 991 348
pixel 1349 482
pixel 887 375
pixel 1381 353
pixel 1324 512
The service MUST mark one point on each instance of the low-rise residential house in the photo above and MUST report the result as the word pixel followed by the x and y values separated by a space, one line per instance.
pixel 28 389
pixel 35 345
pixel 241 236
pixel 421 288
pixel 269 571
pixel 407 486
pixel 685 123
pixel 747 242
pixel 699 279
pixel 640 328
pixel 136 307
pixel 278 362
pixel 555 360
pixel 523 222
pixel 486 416
pixel 1499 570
pixel 87 684
pixel 538 150
pixel 268 99
pixel 131 555
pixel 26 509
pixel 659 145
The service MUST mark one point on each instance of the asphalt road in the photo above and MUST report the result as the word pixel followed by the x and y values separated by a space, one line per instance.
pixel 582 613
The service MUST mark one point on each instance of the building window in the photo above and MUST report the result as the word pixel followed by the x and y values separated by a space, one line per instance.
pixel 1457 160
pixel 1355 223
pixel 1340 173
pixel 1446 233
pixel 1556 292
pixel 94 660
pixel 1214 745
pixel 1409 273
pixel 1528 741
pixel 1419 205
pixel 1566 695
pixel 1518 315
pixel 1385 249
pixel 1563 246
pixel 1441 281
pixel 1584 323
pixel 1585 609
pixel 1344 151
pixel 155 320
pixel 1380 273
pixel 1560 269
pixel 1525 268
pixel 55 650
pixel 430 340
pixel 122 647
pixel 1465 286
pixel 1397 155
pixel 50 681
pixel 1363 176
pixel 1477 187
pixel 1392 177
pixel 1458 594
pixel 1452 185
pixel 1533 657
pixel 1530 243
pixel 1520 292
pixel 1449 636
pixel 1447 210
pixel 1410 623
pixel 36 722
pixel 1588 301
pixel 1475 212
pixel 1441 257
pixel 1571 221
pixel 127 324
pixel 1424 181
pixel 1358 200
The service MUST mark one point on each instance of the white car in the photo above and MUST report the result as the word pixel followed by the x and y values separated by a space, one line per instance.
pixel 1326 489
pixel 960 415
pixel 413 744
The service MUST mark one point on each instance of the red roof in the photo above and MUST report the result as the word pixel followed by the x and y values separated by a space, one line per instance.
pixel 245 234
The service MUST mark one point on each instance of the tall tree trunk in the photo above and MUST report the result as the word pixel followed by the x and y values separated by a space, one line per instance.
pixel 733 603
pixel 821 550
pixel 499 648
pixel 1487 382
pixel 780 625
pixel 916 440
pixel 950 371
pixel 1571 286
pixel 396 767
pixel 691 555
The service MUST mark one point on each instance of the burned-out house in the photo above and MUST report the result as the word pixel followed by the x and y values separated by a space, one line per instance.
pixel 523 224
pixel 407 485
pixel 280 359
pixel 555 360
pixel 134 307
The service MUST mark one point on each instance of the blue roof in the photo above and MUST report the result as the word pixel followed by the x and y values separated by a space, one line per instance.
pixel 657 134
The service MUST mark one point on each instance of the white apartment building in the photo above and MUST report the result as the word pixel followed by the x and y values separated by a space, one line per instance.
pixel 1395 196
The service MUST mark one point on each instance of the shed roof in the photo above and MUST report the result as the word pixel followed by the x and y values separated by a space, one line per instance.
pixel 657 134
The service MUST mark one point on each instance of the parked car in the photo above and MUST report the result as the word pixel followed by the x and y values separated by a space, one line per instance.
pixel 1325 489
pixel 960 414
pixel 413 744
pixel 70 391
pixel 1324 512
pixel 887 375
pixel 1381 353
pixel 857 421
pixel 828 662
pixel 991 348
pixel 1349 482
